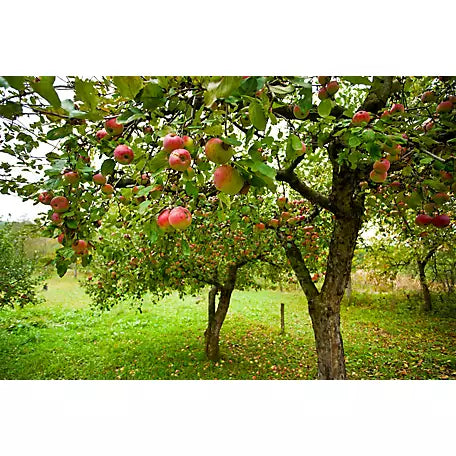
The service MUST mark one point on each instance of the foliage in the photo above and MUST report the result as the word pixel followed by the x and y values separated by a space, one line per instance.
pixel 18 276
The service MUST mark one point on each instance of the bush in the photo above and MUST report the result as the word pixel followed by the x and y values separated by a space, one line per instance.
pixel 18 278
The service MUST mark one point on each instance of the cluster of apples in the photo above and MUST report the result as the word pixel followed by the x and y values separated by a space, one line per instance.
pixel 380 169
pixel 328 87
pixel 439 221
pixel 443 107
pixel 227 178
pixel 179 157
pixel 178 218
pixel 123 154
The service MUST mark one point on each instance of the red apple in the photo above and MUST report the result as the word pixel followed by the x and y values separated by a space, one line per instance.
pixel 218 152
pixel 101 134
pixel 123 154
pixel 397 107
pixel 378 177
pixel 274 223
pixel 323 93
pixel 441 197
pixel 446 176
pixel 180 218
pixel 444 107
pixel 180 159
pixel 172 141
pixel 385 114
pixel 423 219
pixel 228 180
pixel 440 221
pixel 71 177
pixel 282 201
pixel 332 87
pixel 188 142
pixel 45 197
pixel 56 218
pixel 324 79
pixel 381 166
pixel 360 117
pixel 163 222
pixel 113 128
pixel 428 96
pixel 107 189
pixel 60 204
pixel 99 179
pixel 79 247
pixel 61 238
pixel 260 226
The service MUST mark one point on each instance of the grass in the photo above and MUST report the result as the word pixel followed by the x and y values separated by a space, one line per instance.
pixel 63 338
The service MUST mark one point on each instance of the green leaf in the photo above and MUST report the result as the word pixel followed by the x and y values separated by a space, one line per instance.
pixel 62 268
pixel 354 158
pixel 231 140
pixel 73 224
pixel 128 86
pixel 414 200
pixel 191 189
pixel 185 247
pixel 16 82
pixel 221 89
pixel 354 141
pixel 59 132
pixel 436 185
pixel 296 143
pixel 144 206
pixel 86 92
pixel 267 170
pixel 282 90
pixel 407 171
pixel 108 167
pixel 68 106
pixel 10 110
pixel 45 88
pixel 324 108
pixel 257 116
pixel 152 96
pixel 369 135
pixel 357 80
pixel 130 115
pixel 145 191
pixel 159 161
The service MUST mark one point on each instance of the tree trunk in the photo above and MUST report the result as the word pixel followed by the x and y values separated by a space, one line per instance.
pixel 427 303
pixel 348 290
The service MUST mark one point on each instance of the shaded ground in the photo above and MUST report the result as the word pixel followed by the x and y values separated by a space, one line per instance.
pixel 65 339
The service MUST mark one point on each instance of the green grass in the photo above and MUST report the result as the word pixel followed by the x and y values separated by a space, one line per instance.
pixel 65 339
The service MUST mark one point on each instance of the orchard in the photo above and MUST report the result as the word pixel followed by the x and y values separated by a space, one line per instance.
pixel 173 184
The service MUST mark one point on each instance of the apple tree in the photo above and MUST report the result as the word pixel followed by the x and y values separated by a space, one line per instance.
pixel 318 136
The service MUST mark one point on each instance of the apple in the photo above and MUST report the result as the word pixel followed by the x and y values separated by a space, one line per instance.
pixel 79 247
pixel 282 201
pixel 378 177
pixel 299 113
pixel 397 107
pixel 273 222
pixel 228 180
pixel 45 197
pixel 429 125
pixel 285 215
pixel 60 204
pixel 385 114
pixel 444 107
pixel 71 177
pixel 396 185
pixel 302 150
pixel 112 127
pixel 423 219
pixel 147 129
pixel 180 218
pixel 446 176
pixel 440 221
pixel 56 218
pixel 428 96
pixel 61 238
pixel 123 154
pixel 332 87
pixel 441 198
pixel 163 222
pixel 107 189
pixel 188 142
pixel 381 166
pixel 324 79
pixel 172 141
pixel 217 151
pixel 323 93
pixel 360 117
pixel 100 134
pixel 99 179
pixel 180 159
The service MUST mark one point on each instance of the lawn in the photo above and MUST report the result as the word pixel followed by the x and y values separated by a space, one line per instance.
pixel 64 338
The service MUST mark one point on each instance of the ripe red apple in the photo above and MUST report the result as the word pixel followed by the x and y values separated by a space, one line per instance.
pixel 107 189
pixel 385 114
pixel 441 198
pixel 397 107
pixel 61 238
pixel 274 223
pixel 324 79
pixel 60 204
pixel 228 180
pixel 423 219
pixel 180 159
pixel 360 117
pixel 282 201
pixel 71 177
pixel 79 247
pixel 285 215
pixel 113 128
pixel 378 177
pixel 123 154
pixel 163 222
pixel 188 142
pixel 101 134
pixel 428 96
pixel 260 226
pixel 99 179
pixel 381 166
pixel 444 107
pixel 323 93
pixel 172 141
pixel 299 113
pixel 218 152
pixel 45 197
pixel 332 87
pixel 440 221
pixel 180 218
pixel 55 217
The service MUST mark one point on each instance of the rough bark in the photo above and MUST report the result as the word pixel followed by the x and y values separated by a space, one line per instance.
pixel 427 302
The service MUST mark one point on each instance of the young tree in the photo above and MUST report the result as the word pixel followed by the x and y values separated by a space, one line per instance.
pixel 320 137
